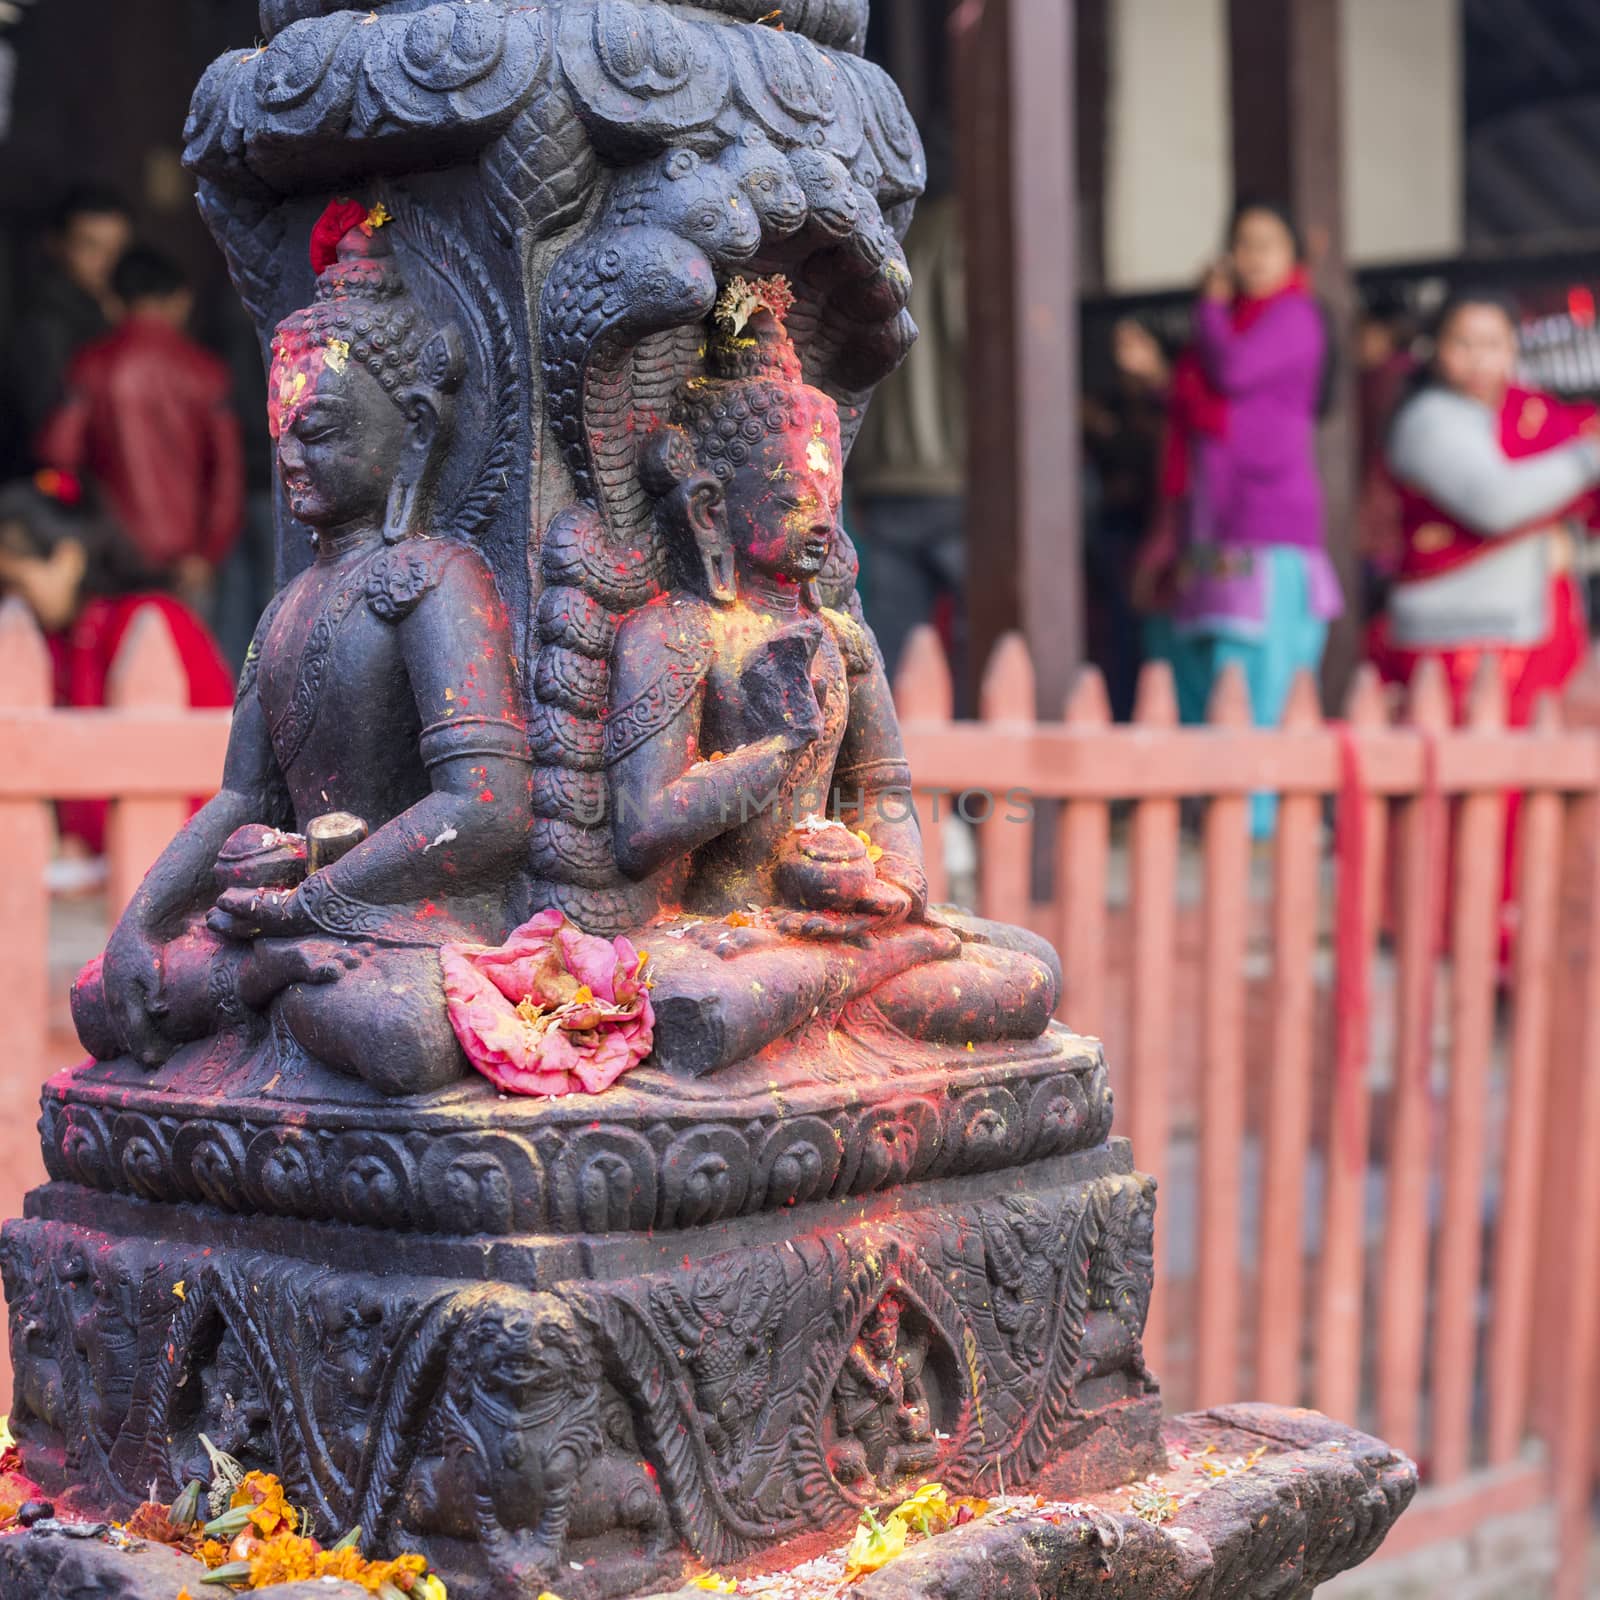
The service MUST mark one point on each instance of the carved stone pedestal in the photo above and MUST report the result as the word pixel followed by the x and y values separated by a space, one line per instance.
pixel 574 1343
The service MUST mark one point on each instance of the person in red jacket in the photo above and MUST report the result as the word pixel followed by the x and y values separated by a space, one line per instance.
pixel 148 417
pixel 85 586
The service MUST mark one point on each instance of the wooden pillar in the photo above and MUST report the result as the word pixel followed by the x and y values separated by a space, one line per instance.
pixel 1092 87
pixel 908 54
pixel 1013 75
pixel 1288 146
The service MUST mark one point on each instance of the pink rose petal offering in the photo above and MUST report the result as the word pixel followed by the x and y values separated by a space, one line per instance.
pixel 552 1011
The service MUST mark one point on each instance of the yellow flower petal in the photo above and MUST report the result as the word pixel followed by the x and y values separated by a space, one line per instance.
pixel 874 1545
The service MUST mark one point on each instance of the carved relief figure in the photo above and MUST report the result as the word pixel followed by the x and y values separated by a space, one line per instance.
pixel 740 705
pixel 36 1340
pixel 351 1352
pixel 382 686
pixel 1122 1271
pixel 618 1491
pixel 233 1412
pixel 102 1310
pixel 516 1428
pixel 1026 1248
pixel 724 1332
pixel 881 1409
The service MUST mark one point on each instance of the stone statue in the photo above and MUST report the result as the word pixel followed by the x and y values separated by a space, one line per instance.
pixel 573 310
pixel 752 751
pixel 381 685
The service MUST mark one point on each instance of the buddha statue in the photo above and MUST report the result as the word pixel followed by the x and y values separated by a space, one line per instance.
pixel 756 773
pixel 375 797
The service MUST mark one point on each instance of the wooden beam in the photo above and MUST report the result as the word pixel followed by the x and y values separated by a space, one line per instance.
pixel 1013 65
pixel 1288 146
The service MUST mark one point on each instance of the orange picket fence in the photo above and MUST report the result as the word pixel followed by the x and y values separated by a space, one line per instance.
pixel 1379 1153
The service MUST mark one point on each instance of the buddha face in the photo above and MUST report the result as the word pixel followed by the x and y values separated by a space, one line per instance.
pixel 341 437
pixel 783 506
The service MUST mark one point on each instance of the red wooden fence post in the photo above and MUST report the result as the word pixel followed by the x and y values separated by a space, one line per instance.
pixel 147 676
pixel 1403 1302
pixel 1154 847
pixel 1279 1318
pixel 923 693
pixel 1573 1332
pixel 1517 1230
pixel 26 832
pixel 1342 1270
pixel 1081 871
pixel 1005 843
pixel 1222 1002
pixel 1478 862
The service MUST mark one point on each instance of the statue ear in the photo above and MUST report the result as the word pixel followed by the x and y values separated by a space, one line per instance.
pixel 700 502
pixel 692 504
pixel 425 424
pixel 425 420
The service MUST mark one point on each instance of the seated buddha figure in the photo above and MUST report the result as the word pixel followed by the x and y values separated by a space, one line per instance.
pixel 375 797
pixel 756 772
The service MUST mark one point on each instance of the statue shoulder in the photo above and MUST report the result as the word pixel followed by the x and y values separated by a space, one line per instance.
pixel 678 624
pixel 400 575
pixel 855 641
pixel 662 655
pixel 252 658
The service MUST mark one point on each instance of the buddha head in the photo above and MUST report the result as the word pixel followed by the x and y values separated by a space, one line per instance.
pixel 359 395
pixel 751 472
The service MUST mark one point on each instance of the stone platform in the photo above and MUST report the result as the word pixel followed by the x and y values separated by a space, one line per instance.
pixel 625 1332
pixel 277 1134
pixel 1319 1501
pixel 1316 1502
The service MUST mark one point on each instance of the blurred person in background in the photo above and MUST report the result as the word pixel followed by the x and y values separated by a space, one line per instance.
pixel 1236 568
pixel 908 467
pixel 1123 429
pixel 1495 482
pixel 148 416
pixel 71 303
pixel 86 586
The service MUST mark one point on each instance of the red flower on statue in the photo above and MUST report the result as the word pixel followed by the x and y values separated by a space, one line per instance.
pixel 553 1010
pixel 334 223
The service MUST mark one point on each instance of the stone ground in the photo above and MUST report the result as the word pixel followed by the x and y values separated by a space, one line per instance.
pixel 1259 1503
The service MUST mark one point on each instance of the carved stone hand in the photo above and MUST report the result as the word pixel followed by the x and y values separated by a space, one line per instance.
pixel 779 697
